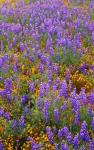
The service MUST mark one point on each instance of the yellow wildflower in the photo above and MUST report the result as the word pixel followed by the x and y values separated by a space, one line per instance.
pixel 2 1
pixel 37 92
pixel 33 70
pixel 9 147
pixel 23 67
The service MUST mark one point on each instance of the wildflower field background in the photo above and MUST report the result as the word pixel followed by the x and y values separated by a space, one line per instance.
pixel 46 74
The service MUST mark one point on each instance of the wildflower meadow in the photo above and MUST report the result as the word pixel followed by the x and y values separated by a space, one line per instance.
pixel 46 74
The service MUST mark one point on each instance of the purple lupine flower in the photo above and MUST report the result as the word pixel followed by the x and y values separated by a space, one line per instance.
pixel 91 98
pixel 41 68
pixel 50 82
pixel 1 146
pixel 9 97
pixel 64 89
pixel 91 145
pixel 8 85
pixel 64 42
pixel 18 28
pixel 83 132
pixel 2 93
pixel 63 132
pixel 26 110
pixel 1 62
pixel 54 87
pixel 82 148
pixel 92 124
pixel 24 99
pixel 59 133
pixel 70 86
pixel 92 67
pixel 77 117
pixel 10 45
pixel 51 51
pixel 14 41
pixel 61 145
pixel 47 87
pixel 48 44
pixel 42 89
pixel 69 43
pixel 90 112
pixel 56 146
pixel 22 47
pixel 31 59
pixel 9 12
pixel 35 146
pixel 43 60
pixel 63 107
pixel 5 58
pixel 55 68
pixel 48 63
pixel 64 146
pixel 82 68
pixel 45 111
pixel 56 100
pixel 15 66
pixel 39 56
pixel 56 115
pixel 39 103
pixel 29 138
pixel 7 116
pixel 57 57
pixel 21 123
pixel 83 96
pixel 73 99
pixel 31 86
pixel 3 10
pixel 0 78
pixel 49 74
pixel 1 112
pixel 54 130
pixel 69 138
pixel 93 37
pixel 67 77
pixel 49 134
pixel 14 123
pixel 76 142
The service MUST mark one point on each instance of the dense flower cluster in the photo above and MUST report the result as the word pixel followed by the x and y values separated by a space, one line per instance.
pixel 46 75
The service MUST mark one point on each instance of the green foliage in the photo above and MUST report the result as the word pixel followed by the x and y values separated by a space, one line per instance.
pixel 36 119
pixel 26 1
pixel 17 110
pixel 58 56
pixel 85 116
pixel 9 130
pixel 92 16
pixel 71 59
pixel 87 41
pixel 91 79
pixel 23 87
pixel 43 41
